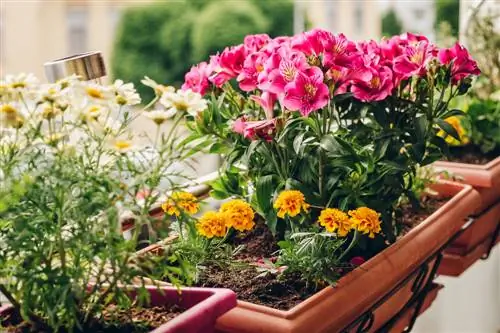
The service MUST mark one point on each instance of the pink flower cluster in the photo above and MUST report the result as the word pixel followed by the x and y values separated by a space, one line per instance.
pixel 302 73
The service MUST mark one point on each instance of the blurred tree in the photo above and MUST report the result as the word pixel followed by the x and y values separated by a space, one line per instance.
pixel 213 30
pixel 390 24
pixel 448 10
pixel 163 41
pixel 140 46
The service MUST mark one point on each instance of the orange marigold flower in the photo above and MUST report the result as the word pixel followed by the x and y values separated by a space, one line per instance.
pixel 366 220
pixel 212 224
pixel 290 202
pixel 239 215
pixel 178 201
pixel 335 219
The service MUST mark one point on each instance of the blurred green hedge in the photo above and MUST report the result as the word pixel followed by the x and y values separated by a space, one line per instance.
pixel 163 39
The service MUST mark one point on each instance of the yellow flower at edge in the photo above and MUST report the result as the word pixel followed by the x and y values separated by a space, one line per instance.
pixel 239 215
pixel 181 201
pixel 455 122
pixel 334 219
pixel 290 202
pixel 212 224
pixel 366 220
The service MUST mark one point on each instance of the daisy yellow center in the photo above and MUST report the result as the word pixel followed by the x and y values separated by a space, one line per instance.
pixel 94 109
pixel 310 89
pixel 94 93
pixel 8 109
pixel 120 100
pixel 19 85
pixel 181 106
pixel 122 144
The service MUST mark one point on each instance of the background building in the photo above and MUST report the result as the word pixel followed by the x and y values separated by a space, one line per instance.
pixel 357 19
pixel 415 16
pixel 33 32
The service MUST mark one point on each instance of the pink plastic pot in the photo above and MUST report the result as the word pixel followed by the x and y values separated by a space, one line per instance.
pixel 203 305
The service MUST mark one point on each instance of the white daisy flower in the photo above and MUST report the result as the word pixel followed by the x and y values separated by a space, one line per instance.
pixel 184 101
pixel 94 93
pixel 92 112
pixel 125 93
pixel 158 88
pixel 122 145
pixel 160 116
pixel 21 81
pixel 12 115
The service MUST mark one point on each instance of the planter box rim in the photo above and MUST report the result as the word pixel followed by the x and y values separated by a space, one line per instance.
pixel 480 175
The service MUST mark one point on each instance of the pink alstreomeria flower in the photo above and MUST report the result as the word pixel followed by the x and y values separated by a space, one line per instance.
pixel 415 59
pixel 462 63
pixel 252 67
pixel 228 65
pixel 197 78
pixel 266 101
pixel 307 93
pixel 377 88
pixel 338 50
pixel 254 43
pixel 253 130
pixel 280 69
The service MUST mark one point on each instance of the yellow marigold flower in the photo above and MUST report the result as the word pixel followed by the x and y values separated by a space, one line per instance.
pixel 181 201
pixel 290 202
pixel 239 215
pixel 365 220
pixel 212 224
pixel 455 122
pixel 335 219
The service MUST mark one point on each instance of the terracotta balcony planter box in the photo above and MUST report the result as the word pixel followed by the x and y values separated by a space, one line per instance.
pixel 464 251
pixel 203 306
pixel 455 265
pixel 374 292
pixel 406 319
pixel 484 178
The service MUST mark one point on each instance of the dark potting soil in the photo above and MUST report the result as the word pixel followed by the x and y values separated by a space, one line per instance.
pixel 471 155
pixel 252 286
pixel 133 320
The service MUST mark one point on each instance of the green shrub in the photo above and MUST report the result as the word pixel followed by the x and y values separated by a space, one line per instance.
pixel 138 49
pixel 214 31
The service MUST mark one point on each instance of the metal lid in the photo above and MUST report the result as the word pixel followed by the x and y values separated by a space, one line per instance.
pixel 88 66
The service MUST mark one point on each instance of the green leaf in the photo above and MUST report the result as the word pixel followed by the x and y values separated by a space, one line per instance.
pixel 329 144
pixel 264 189
pixel 450 130
pixel 297 143
pixel 453 112
pixel 421 128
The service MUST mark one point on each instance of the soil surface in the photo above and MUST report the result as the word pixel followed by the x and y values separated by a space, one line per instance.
pixel 471 155
pixel 265 289
pixel 132 321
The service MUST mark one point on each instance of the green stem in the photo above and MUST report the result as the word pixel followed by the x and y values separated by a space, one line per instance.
pixel 354 241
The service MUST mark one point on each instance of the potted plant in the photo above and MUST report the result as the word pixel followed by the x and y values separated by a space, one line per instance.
pixel 476 160
pixel 69 170
pixel 323 137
